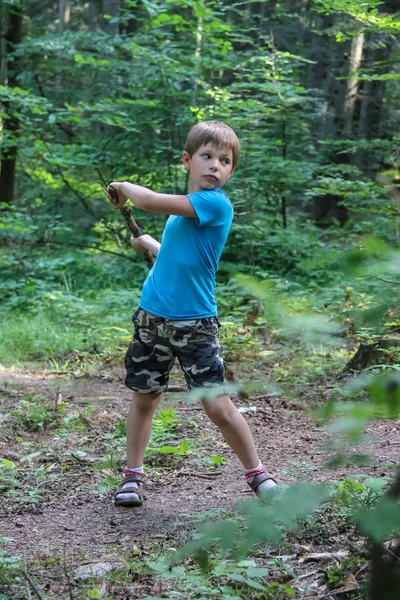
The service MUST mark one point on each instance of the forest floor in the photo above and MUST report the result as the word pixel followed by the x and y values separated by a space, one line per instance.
pixel 61 452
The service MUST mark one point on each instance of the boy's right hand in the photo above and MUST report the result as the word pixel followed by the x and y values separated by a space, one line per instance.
pixel 138 243
pixel 145 242
pixel 122 198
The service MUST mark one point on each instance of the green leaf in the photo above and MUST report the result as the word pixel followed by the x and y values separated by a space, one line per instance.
pixel 382 521
pixel 247 581
pixel 30 456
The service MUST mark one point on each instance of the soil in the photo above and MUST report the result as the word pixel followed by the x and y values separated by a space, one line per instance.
pixel 83 521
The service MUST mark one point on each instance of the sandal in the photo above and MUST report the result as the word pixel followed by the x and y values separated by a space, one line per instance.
pixel 255 482
pixel 130 495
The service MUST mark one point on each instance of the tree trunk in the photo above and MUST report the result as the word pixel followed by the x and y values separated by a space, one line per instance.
pixel 132 23
pixel 64 13
pixel 372 97
pixel 10 123
pixel 318 75
pixel 380 48
pixel 92 16
pixel 3 72
pixel 344 87
pixel 112 8
pixel 369 355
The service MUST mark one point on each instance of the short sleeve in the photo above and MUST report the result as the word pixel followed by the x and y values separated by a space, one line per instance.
pixel 213 207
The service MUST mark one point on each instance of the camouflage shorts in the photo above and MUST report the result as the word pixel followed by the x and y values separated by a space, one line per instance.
pixel 155 344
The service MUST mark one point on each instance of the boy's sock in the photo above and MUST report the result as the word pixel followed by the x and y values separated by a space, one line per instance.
pixel 132 484
pixel 265 485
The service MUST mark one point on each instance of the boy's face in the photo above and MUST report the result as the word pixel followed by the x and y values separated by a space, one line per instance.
pixel 210 167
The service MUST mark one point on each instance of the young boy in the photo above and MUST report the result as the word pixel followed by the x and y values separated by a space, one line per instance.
pixel 177 314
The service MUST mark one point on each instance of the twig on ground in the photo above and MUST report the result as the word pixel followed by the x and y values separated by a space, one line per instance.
pixel 385 280
pixel 200 475
pixel 28 590
pixel 30 583
pixel 305 575
pixel 67 576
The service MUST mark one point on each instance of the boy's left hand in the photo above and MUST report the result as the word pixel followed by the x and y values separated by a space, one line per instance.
pixel 121 196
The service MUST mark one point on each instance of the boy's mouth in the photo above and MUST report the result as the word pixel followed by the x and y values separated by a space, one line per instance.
pixel 213 177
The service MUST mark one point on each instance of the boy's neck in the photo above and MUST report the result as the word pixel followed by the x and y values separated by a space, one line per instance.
pixel 195 187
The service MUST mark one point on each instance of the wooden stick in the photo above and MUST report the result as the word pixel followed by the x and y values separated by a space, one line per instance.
pixel 133 226
pixel 30 582
pixel 210 476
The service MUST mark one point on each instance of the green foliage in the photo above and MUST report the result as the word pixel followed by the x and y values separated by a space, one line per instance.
pixel 351 495
pixel 225 578
pixel 93 107
pixel 365 12
pixel 22 485
pixel 10 570
pixel 34 414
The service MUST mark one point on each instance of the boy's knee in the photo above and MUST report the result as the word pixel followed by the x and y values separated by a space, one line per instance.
pixel 146 402
pixel 220 413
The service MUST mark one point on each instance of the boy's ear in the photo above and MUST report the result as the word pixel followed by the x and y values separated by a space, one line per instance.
pixel 186 160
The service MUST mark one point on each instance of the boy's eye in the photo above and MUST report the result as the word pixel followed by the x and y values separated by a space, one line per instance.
pixel 226 161
pixel 206 156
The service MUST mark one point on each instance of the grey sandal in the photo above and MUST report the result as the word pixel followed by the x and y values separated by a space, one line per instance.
pixel 130 495
pixel 255 482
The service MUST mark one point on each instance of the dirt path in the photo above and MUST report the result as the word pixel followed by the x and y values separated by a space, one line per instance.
pixel 85 521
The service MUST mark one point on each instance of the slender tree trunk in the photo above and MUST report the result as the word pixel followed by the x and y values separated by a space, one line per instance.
pixel 344 88
pixel 64 13
pixel 111 8
pixel 10 123
pixel 379 50
pixel 335 75
pixel 2 43
pixel 318 75
pixel 345 92
pixel 132 24
pixel 284 156
pixel 92 15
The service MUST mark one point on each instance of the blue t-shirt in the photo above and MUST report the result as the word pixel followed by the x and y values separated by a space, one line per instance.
pixel 182 281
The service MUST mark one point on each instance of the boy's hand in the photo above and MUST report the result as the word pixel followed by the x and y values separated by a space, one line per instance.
pixel 145 242
pixel 137 244
pixel 121 196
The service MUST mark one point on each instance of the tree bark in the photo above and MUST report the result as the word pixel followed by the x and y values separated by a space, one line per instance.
pixel 10 123
pixel 112 8
pixel 380 49
pixel 369 355
pixel 64 13
pixel 2 44
pixel 132 24
pixel 318 75
pixel 385 571
pixel 344 87
pixel 92 16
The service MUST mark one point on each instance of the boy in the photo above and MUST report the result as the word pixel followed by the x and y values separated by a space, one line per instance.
pixel 177 314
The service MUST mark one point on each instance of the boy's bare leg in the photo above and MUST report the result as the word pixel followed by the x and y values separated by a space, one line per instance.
pixel 138 426
pixel 138 430
pixel 233 426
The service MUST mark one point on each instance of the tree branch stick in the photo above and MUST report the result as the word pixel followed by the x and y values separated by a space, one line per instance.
pixel 133 226
pixel 30 582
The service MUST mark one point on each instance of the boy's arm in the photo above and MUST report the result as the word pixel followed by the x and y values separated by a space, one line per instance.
pixel 167 204
pixel 145 242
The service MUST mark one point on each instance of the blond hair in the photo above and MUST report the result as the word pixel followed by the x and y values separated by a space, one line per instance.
pixel 213 132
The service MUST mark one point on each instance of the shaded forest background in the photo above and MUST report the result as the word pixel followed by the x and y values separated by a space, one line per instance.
pixel 92 92
pixel 99 91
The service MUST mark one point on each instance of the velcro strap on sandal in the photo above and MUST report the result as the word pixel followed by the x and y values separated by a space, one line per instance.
pixel 134 477
pixel 256 480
